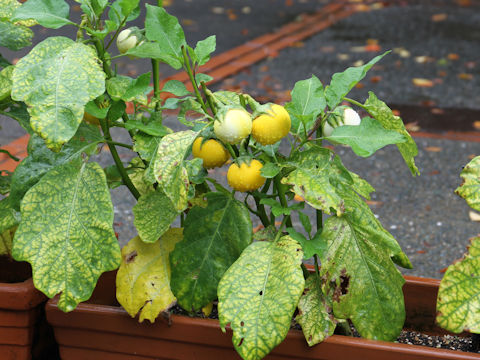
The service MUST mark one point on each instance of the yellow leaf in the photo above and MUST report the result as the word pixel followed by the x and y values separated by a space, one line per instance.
pixel 207 309
pixel 143 280
pixel 439 17
pixel 474 216
pixel 433 148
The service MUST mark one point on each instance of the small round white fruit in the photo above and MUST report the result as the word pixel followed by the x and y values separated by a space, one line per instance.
pixel 351 117
pixel 126 41
pixel 343 115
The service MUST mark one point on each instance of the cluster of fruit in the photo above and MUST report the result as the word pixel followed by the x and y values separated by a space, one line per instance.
pixel 235 126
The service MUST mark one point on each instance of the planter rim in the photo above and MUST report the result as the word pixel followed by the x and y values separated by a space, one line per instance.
pixel 57 318
pixel 20 296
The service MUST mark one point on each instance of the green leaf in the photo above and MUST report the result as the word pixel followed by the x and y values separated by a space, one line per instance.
pixel 9 217
pixel 270 170
pixel 381 112
pixel 470 189
pixel 278 209
pixel 51 14
pixel 315 312
pixel 125 88
pixel 6 82
pixel 154 212
pixel 196 172
pixel 343 82
pixel 143 280
pixel 176 87
pixel 169 166
pixel 214 237
pixel 93 8
pixel 366 138
pixel 314 178
pixel 167 32
pixel 40 159
pixel 56 79
pixel 199 78
pixel 117 14
pixel 317 245
pixel 19 112
pixel 458 301
pixel 128 6
pixel 94 110
pixel 6 240
pixel 227 97
pixel 152 128
pixel 361 186
pixel 136 173
pixel 146 145
pixel 258 295
pixel 305 220
pixel 204 48
pixel 66 232
pixel 116 110
pixel 368 286
pixel 14 36
pixel 308 101
pixel 7 7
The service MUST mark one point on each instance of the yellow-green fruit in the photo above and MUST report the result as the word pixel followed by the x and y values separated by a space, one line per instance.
pixel 269 128
pixel 211 151
pixel 235 126
pixel 245 178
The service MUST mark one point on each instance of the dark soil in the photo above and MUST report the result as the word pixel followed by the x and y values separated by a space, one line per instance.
pixel 450 342
pixel 12 271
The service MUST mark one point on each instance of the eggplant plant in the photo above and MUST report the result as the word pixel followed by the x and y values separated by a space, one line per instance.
pixel 58 212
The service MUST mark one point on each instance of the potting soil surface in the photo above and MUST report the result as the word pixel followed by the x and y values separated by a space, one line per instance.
pixel 433 64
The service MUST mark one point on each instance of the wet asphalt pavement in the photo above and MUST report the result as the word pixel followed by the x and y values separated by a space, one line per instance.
pixel 437 41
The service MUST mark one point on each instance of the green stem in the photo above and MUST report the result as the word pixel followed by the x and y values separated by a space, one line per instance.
pixel 116 32
pixel 318 214
pixel 230 150
pixel 262 214
pixel 305 271
pixel 354 102
pixel 156 83
pixel 317 267
pixel 189 71
pixel 116 158
pixel 209 98
pixel 279 233
pixel 106 130
pixel 119 144
pixel 281 197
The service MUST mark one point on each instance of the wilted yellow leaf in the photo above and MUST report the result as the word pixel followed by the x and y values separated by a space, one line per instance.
pixel 143 279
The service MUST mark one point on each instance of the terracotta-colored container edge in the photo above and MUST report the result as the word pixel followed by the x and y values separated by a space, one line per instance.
pixel 20 296
pixel 96 320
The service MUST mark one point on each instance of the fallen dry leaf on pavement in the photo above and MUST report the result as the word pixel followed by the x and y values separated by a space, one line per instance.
pixel 439 17
pixel 433 148
pixel 374 203
pixel 474 216
pixel 420 82
pixel 412 126
pixel 465 76
pixel 453 56
pixel 424 59
pixel 476 125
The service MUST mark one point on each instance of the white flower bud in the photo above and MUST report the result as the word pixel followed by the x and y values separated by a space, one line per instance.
pixel 351 117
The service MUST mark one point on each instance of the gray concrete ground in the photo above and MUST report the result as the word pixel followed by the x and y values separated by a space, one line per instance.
pixel 429 221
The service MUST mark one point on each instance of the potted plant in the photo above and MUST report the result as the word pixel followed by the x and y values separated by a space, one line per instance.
pixel 457 304
pixel 67 95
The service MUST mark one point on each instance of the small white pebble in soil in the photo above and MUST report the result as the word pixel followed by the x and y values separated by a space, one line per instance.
pixel 439 223
pixel 393 227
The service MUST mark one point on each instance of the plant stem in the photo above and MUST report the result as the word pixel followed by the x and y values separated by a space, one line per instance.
pixel 281 197
pixel 230 150
pixel 262 214
pixel 119 144
pixel 279 233
pixel 106 130
pixel 318 214
pixel 116 32
pixel 209 99
pixel 156 83
pixel 354 102
pixel 116 158
pixel 189 71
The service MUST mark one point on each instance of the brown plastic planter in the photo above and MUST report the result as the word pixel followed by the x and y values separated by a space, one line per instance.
pixel 23 329
pixel 96 330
